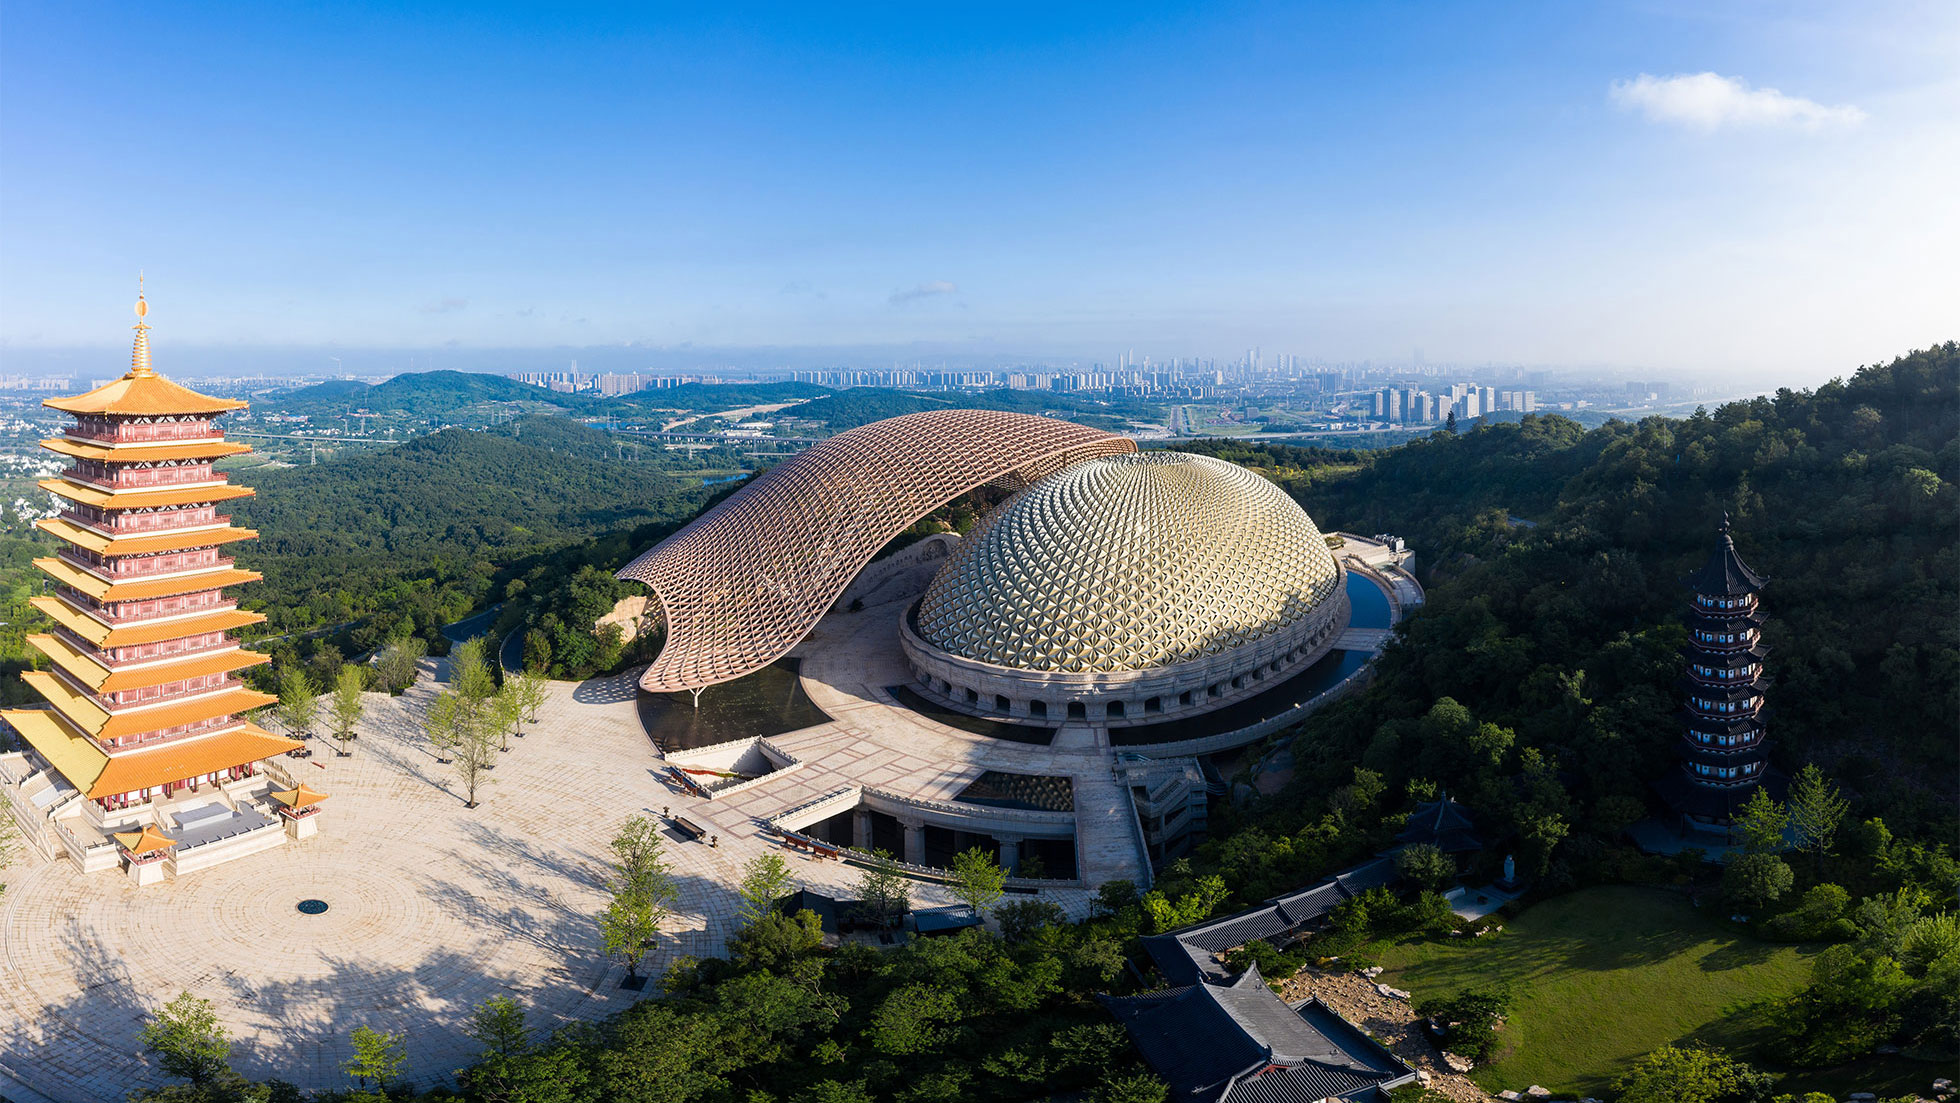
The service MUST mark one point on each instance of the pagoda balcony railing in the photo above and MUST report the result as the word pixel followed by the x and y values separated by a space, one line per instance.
pixel 182 731
pixel 140 478
pixel 153 432
pixel 223 604
pixel 136 571
pixel 176 697
pixel 127 523
pixel 215 521
pixel 223 643
pixel 1712 605
pixel 1745 641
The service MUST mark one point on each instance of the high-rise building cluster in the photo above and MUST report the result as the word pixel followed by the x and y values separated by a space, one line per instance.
pixel 1411 406
pixel 607 384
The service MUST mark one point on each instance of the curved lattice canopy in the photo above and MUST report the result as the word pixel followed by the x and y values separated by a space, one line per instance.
pixel 748 579
pixel 1129 563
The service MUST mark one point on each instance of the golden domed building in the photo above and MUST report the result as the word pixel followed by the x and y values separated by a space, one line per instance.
pixel 1127 588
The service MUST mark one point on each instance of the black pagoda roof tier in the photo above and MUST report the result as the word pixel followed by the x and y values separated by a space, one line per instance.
pixel 1723 756
pixel 1722 620
pixel 1725 656
pixel 1725 574
pixel 1732 724
pixel 1733 691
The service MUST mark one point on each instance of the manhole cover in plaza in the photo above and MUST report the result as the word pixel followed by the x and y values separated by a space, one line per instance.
pixel 312 907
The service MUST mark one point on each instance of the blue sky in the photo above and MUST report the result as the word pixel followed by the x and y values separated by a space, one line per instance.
pixel 1745 188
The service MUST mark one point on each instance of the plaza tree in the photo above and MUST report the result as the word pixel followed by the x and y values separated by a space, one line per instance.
pixel 642 891
pixel 498 1025
pixel 346 706
pixel 978 880
pixel 395 663
pixel 187 1040
pixel 765 879
pixel 296 709
pixel 442 724
pixel 883 889
pixel 378 1057
pixel 531 693
pixel 474 750
pixel 505 712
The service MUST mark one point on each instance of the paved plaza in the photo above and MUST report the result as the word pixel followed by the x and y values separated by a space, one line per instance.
pixel 433 908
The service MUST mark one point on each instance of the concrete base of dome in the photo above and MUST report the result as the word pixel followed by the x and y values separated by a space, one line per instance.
pixel 1127 696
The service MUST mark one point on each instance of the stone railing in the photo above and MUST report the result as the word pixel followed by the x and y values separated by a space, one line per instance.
pixel 968 812
pixel 852 797
pixel 782 763
pixel 1138 836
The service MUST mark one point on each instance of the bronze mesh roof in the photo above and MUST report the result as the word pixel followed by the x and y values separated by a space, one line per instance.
pixel 748 579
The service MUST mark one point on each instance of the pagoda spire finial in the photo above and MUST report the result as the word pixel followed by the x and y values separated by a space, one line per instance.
pixel 139 360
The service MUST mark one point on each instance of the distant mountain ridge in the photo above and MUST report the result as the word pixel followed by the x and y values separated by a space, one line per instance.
pixel 418 393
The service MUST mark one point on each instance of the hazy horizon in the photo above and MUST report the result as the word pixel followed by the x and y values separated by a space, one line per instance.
pixel 1747 193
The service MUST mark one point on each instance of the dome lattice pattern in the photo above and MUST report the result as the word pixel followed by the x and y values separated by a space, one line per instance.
pixel 1129 563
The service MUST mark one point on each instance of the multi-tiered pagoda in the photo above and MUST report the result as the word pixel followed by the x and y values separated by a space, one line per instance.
pixel 1723 754
pixel 144 701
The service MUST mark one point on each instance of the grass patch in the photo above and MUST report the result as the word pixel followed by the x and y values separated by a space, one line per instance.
pixel 1600 977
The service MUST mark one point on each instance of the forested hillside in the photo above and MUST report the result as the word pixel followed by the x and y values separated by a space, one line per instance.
pixel 1539 685
pixel 1845 497
pixel 419 531
pixel 423 394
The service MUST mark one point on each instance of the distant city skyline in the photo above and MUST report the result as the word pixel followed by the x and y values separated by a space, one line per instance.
pixel 1664 190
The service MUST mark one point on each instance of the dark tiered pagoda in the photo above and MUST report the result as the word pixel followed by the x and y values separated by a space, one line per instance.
pixel 1724 757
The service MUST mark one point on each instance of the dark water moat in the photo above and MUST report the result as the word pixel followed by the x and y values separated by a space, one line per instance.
pixel 770 701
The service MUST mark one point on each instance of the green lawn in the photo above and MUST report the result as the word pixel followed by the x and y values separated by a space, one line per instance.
pixel 1600 977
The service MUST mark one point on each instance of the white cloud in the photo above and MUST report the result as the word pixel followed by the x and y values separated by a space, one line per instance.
pixel 924 290
pixel 444 306
pixel 1710 101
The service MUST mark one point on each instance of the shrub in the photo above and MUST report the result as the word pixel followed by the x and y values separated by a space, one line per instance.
pixel 1468 1020
pixel 1819 915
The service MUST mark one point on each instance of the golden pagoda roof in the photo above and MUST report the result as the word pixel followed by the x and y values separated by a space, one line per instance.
pixel 142 392
pixel 147 544
pixel 144 396
pixel 146 498
pixel 90 671
pixel 101 723
pixel 212 449
pixel 303 797
pixel 139 843
pixel 99 634
pixel 98 774
pixel 143 587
